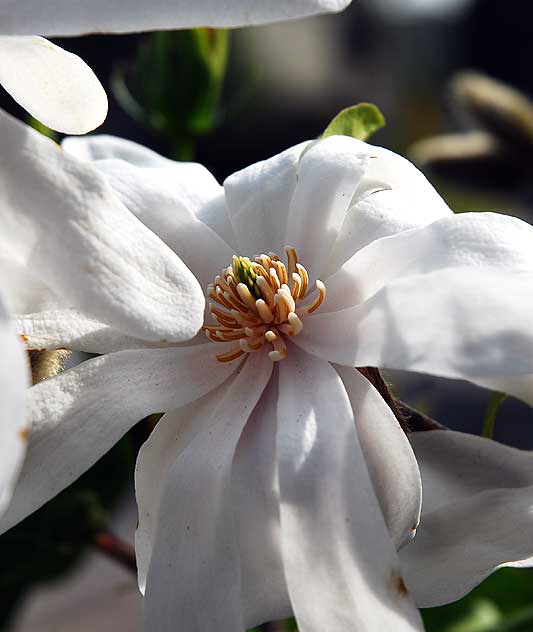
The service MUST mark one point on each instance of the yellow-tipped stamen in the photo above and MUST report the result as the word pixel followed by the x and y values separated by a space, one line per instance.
pixel 264 311
pixel 246 296
pixel 266 290
pixel 305 279
pixel 230 355
pixel 258 304
pixel 274 279
pixel 320 298
pixel 296 323
pixel 297 286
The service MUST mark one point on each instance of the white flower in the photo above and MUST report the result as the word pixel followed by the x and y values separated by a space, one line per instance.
pixel 13 386
pixel 60 90
pixel 279 481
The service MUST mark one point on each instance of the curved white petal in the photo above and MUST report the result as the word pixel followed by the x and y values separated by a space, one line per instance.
pixel 104 147
pixel 61 218
pixel 258 200
pixel 14 380
pixel 389 457
pixel 193 580
pixel 167 200
pixel 477 514
pixel 65 17
pixel 201 189
pixel 24 292
pixel 53 85
pixel 341 566
pixel 440 299
pixel 70 329
pixel 329 173
pixel 255 493
pixel 79 415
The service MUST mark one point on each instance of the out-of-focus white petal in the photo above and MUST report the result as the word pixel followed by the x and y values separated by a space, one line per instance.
pixel 78 416
pixel 256 499
pixel 53 85
pixel 389 457
pixel 62 220
pixel 14 380
pixel 258 200
pixel 451 299
pixel 186 531
pixel 477 514
pixel 329 173
pixel 65 17
pixel 341 566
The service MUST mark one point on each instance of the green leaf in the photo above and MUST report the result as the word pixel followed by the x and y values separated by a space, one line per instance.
pixel 490 416
pixel 358 121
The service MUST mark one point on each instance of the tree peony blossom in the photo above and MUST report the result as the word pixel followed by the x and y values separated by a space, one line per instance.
pixel 278 480
pixel 60 90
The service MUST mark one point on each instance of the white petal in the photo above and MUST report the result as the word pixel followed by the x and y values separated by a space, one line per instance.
pixel 381 214
pixel 329 174
pixel 53 85
pixel 477 514
pixel 389 457
pixel 103 147
pixel 341 567
pixel 258 200
pixel 201 188
pixel 256 497
pixel 23 291
pixel 167 200
pixel 70 329
pixel 14 380
pixel 62 17
pixel 79 415
pixel 61 218
pixel 193 580
pixel 440 299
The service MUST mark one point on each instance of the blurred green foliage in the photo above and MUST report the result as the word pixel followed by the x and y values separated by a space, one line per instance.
pixel 174 86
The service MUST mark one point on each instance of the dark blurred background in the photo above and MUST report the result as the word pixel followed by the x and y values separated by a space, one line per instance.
pixel 284 83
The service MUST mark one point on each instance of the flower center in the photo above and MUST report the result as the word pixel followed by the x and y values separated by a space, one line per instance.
pixel 257 304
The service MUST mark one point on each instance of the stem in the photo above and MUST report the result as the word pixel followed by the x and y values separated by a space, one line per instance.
pixel 490 416
pixel 115 548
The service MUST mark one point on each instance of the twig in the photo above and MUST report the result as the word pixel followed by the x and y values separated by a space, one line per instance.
pixel 115 548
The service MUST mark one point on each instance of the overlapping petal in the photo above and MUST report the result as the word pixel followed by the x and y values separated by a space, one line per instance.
pixel 441 299
pixel 64 17
pixel 329 173
pixel 256 500
pixel 61 218
pixel 193 580
pixel 53 85
pixel 76 417
pixel 258 199
pixel 395 477
pixel 14 378
pixel 477 514
pixel 341 567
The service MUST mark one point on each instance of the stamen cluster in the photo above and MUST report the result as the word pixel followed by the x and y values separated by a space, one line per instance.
pixel 257 303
